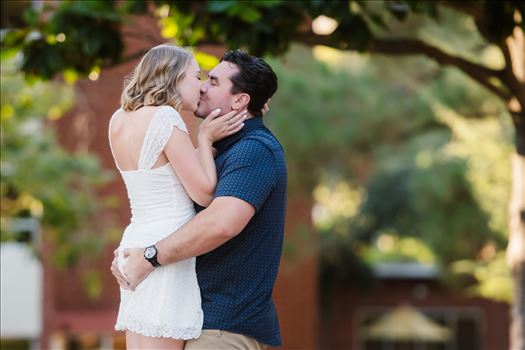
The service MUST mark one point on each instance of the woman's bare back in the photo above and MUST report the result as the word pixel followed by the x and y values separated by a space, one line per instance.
pixel 127 132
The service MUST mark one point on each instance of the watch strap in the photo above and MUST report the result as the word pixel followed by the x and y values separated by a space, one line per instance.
pixel 153 260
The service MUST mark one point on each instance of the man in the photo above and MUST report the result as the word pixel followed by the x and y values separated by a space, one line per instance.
pixel 238 238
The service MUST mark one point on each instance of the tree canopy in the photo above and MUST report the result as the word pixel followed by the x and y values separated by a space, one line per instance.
pixel 84 35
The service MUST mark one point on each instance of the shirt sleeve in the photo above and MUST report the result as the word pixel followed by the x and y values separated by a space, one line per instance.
pixel 249 173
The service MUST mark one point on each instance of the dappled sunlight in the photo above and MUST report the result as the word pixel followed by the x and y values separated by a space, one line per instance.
pixel 493 58
pixel 170 28
pixel 487 146
pixel 390 247
pixel 25 101
pixel 323 25
pixel 94 74
pixel 205 61
pixel 493 277
pixel 466 41
pixel 335 202
pixel 424 159
pixel 43 184
pixel 352 61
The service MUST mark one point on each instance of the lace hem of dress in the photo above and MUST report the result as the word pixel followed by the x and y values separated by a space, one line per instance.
pixel 158 331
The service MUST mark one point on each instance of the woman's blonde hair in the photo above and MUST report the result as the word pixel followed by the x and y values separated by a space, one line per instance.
pixel 154 80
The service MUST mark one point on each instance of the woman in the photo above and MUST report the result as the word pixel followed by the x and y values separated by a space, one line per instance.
pixel 163 173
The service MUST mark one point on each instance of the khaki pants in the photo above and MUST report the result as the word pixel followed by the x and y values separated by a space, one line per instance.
pixel 214 339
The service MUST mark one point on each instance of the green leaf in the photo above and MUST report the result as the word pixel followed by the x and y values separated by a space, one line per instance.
pixel 13 37
pixel 250 15
pixel 31 17
pixel 206 61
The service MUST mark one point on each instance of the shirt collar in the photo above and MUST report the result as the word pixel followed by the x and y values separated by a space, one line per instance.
pixel 250 124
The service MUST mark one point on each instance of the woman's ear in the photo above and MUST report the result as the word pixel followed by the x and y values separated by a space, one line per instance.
pixel 241 101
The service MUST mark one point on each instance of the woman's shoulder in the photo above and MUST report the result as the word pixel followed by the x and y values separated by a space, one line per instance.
pixel 115 117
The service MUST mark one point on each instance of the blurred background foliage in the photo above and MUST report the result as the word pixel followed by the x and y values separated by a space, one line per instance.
pixel 42 181
pixel 401 168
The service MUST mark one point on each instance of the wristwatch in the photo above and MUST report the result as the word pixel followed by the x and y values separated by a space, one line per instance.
pixel 150 254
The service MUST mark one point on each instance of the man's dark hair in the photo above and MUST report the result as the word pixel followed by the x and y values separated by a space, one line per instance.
pixel 255 77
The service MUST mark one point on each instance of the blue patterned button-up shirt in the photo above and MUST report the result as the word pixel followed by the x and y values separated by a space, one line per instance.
pixel 237 278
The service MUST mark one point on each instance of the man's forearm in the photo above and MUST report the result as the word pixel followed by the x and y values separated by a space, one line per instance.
pixel 202 234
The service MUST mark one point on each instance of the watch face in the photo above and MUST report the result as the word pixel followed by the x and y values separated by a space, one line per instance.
pixel 149 252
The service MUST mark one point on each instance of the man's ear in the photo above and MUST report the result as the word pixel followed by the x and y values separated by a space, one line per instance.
pixel 241 101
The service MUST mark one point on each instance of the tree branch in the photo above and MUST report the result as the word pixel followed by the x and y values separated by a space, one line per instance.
pixel 408 46
pixel 506 55
pixel 414 46
pixel 510 78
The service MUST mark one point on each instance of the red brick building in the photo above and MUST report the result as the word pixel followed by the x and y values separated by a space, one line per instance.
pixel 350 309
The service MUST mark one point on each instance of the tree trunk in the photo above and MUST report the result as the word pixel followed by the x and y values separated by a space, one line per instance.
pixel 516 247
pixel 516 252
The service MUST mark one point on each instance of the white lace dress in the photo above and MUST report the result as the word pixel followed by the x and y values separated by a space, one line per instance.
pixel 168 302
